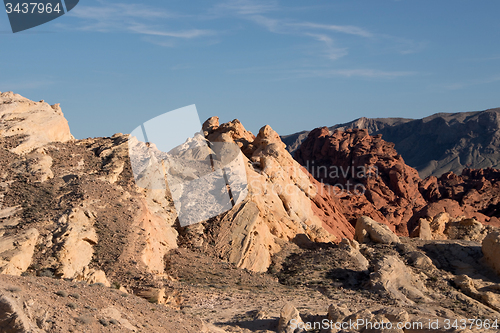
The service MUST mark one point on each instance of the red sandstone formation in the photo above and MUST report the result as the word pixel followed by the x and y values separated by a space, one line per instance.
pixel 371 178
pixel 475 193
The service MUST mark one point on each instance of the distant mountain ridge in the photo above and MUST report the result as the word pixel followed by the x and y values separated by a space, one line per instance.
pixel 436 144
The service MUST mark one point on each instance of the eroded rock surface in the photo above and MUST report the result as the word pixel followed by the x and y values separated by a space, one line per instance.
pixel 368 173
pixel 29 125
pixel 283 201
pixel 74 210
pixel 16 251
pixel 370 230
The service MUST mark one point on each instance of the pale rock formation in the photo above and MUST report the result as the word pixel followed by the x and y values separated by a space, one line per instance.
pixel 352 247
pixel 160 296
pixel 244 239
pixel 287 314
pixel 16 251
pixel 13 318
pixel 337 313
pixel 114 158
pixel 153 222
pixel 395 315
pixel 393 277
pixel 370 230
pixel 467 229
pixel 491 250
pixel 423 230
pixel 156 220
pixel 91 275
pixel 113 313
pixel 76 239
pixel 443 226
pixel 366 315
pixel 470 287
pixel 34 123
pixel 438 225
pixel 7 218
pixel 280 203
pixel 38 164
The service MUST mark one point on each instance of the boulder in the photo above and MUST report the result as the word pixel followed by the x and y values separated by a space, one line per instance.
pixel 91 276
pixel 469 287
pixel 491 250
pixel 289 317
pixel 370 230
pixel 423 231
pixel 16 251
pixel 13 318
pixel 392 277
pixel 438 225
pixel 75 242
pixel 336 313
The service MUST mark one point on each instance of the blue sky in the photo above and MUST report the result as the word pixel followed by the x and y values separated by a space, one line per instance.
pixel 291 64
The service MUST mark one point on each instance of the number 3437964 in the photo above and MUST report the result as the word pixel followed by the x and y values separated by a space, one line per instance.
pixel 32 8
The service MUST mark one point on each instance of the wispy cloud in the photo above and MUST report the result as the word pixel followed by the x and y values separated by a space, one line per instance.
pixel 360 73
pixel 346 29
pixel 349 73
pixel 270 24
pixel 329 48
pixel 115 16
pixel 270 16
pixel 259 14
pixel 368 73
pixel 133 18
pixel 331 52
pixel 244 7
pixel 329 41
pixel 192 33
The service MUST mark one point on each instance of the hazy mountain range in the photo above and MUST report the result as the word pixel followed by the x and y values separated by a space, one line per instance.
pixel 436 144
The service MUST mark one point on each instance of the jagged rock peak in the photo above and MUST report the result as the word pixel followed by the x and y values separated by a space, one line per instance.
pixel 26 125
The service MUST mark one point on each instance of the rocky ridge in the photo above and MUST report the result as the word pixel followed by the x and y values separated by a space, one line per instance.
pixel 371 178
pixel 74 222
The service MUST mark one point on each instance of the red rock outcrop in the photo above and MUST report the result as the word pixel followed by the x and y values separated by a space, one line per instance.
pixel 474 193
pixel 370 178
pixel 367 174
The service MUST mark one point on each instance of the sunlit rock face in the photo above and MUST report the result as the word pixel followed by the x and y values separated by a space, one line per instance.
pixel 30 124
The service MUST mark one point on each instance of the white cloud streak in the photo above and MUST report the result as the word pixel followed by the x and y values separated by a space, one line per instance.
pixel 346 29
pixel 244 7
pixel 331 52
pixel 188 34
pixel 139 19
pixel 325 39
pixel 347 73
